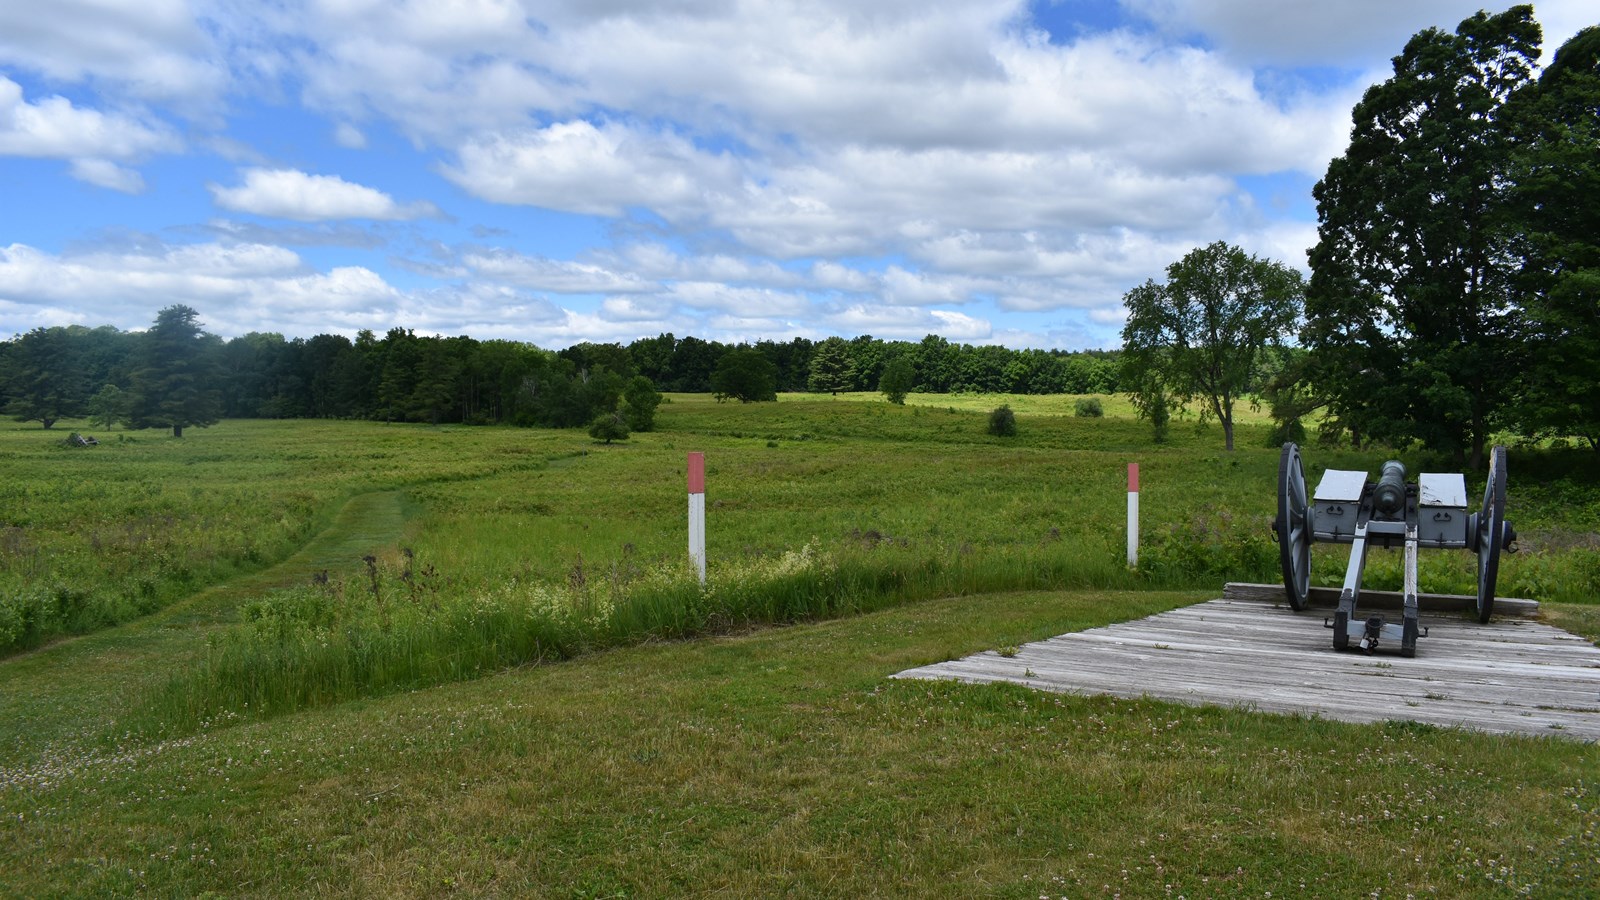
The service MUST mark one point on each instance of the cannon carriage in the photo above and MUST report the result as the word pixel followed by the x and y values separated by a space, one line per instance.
pixel 1349 508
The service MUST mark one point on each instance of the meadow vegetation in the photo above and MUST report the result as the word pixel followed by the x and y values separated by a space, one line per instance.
pixel 497 551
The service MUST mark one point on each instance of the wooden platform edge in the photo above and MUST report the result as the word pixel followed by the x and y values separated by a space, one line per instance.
pixel 1329 597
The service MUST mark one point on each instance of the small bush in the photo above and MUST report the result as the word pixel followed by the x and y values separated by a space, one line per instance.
pixel 609 427
pixel 1088 408
pixel 1160 413
pixel 1003 422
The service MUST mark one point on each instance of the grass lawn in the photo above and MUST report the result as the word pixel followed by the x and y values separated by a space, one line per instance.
pixel 783 761
pixel 754 759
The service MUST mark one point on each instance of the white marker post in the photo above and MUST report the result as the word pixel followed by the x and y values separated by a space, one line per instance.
pixel 1133 515
pixel 697 513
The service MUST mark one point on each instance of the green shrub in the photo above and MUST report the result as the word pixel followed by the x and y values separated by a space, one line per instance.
pixel 1003 422
pixel 1212 546
pixel 1088 408
pixel 609 427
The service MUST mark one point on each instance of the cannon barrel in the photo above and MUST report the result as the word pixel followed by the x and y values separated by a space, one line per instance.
pixel 1389 497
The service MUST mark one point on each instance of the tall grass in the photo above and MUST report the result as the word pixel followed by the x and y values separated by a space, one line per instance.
pixel 552 545
pixel 93 537
pixel 400 624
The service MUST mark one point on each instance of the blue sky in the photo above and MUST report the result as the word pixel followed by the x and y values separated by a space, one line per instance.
pixel 603 170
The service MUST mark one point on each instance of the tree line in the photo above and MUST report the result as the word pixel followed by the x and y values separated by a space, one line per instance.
pixel 1455 283
pixel 176 375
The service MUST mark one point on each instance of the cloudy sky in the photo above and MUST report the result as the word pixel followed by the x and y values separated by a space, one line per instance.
pixel 564 170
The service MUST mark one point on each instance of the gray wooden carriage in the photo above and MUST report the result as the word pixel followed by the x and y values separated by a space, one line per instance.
pixel 1349 508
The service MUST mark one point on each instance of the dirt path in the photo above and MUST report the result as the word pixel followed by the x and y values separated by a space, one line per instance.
pixel 66 694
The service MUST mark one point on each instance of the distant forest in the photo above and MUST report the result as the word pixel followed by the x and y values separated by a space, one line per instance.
pixel 177 374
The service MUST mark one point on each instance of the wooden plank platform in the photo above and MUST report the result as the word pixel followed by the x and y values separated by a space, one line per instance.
pixel 1510 676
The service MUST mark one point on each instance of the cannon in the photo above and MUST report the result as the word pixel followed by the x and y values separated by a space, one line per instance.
pixel 1348 508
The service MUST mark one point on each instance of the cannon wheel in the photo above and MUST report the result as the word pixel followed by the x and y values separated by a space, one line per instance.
pixel 1491 532
pixel 1293 527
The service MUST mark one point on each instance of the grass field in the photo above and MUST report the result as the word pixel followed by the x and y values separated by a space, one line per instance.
pixel 399 660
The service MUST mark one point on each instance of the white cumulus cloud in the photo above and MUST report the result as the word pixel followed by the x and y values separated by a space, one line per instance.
pixel 581 167
pixel 151 49
pixel 296 195
pixel 55 128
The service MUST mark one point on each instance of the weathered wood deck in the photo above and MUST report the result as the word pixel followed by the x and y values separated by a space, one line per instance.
pixel 1511 676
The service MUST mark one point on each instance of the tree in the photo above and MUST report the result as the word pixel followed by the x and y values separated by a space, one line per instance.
pixel 42 377
pixel 1291 395
pixel 744 375
pixel 602 389
pixel 693 362
pixel 832 369
pixel 108 406
pixel 640 399
pixel 936 362
pixel 609 427
pixel 612 357
pixel 897 380
pixel 174 386
pixel 652 357
pixel 1556 220
pixel 1409 310
pixel 792 361
pixel 437 378
pixel 867 359
pixel 1198 335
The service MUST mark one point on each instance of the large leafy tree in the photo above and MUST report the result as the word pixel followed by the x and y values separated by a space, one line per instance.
pixel 936 362
pixel 1197 336
pixel 640 399
pixel 108 406
pixel 898 378
pixel 1409 309
pixel 175 382
pixel 693 362
pixel 1555 204
pixel 745 375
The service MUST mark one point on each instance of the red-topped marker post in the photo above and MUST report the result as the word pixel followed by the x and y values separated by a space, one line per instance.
pixel 1133 515
pixel 697 513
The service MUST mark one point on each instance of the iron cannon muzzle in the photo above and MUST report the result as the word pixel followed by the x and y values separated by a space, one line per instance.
pixel 1389 497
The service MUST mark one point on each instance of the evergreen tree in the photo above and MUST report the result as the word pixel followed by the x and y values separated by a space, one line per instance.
pixel 174 385
pixel 400 353
pixel 832 369
pixel 436 381
pixel 42 377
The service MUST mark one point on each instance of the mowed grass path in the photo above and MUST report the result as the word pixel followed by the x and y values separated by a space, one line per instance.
pixel 100 674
